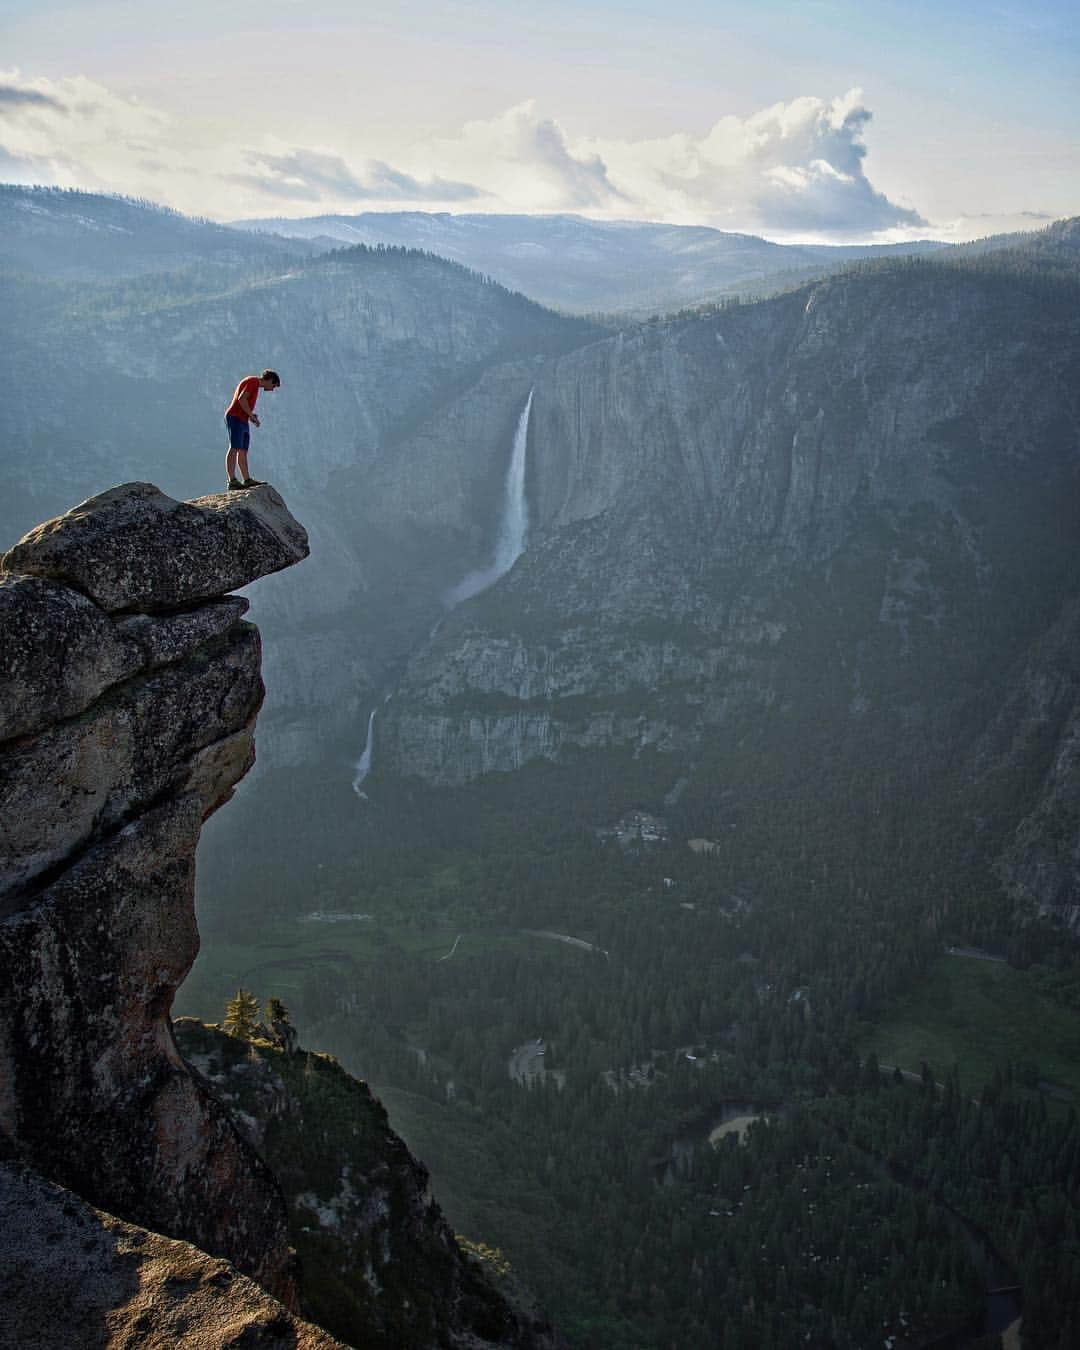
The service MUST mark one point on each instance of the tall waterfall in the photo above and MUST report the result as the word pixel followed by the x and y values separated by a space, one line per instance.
pixel 510 545
pixel 363 764
pixel 513 527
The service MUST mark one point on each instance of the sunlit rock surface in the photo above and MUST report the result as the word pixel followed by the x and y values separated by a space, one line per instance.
pixel 74 1276
pixel 134 548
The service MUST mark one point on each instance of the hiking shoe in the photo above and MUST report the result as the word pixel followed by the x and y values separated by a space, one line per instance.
pixel 234 485
pixel 252 482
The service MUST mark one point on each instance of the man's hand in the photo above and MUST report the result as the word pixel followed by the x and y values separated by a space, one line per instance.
pixel 255 419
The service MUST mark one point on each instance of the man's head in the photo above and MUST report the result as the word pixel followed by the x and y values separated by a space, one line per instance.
pixel 269 379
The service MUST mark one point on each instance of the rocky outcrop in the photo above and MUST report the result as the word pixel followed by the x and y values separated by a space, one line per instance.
pixel 75 1276
pixel 129 695
pixel 133 548
pixel 382 1267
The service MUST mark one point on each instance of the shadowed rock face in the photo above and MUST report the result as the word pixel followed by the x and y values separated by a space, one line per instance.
pixel 119 736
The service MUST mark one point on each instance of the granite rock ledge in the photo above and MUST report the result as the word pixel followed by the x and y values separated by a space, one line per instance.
pixel 129 686
pixel 134 548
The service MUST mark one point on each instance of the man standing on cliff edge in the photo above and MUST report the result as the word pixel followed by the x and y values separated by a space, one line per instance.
pixel 240 416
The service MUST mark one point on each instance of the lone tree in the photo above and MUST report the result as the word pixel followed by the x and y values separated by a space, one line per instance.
pixel 284 1032
pixel 242 1015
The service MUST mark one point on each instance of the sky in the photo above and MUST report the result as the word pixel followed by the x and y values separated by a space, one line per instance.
pixel 822 120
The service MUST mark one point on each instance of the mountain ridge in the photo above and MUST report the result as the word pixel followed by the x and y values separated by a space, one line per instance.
pixel 580 265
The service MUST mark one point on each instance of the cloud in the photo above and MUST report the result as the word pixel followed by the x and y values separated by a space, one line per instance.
pixel 309 175
pixel 523 158
pixel 76 133
pixel 21 168
pixel 11 96
pixel 793 168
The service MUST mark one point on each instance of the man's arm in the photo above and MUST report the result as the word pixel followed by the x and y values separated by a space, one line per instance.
pixel 247 406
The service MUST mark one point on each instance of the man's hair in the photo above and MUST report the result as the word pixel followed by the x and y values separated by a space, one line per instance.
pixel 272 376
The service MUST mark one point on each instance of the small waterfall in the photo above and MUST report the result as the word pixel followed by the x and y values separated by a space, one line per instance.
pixel 514 526
pixel 363 764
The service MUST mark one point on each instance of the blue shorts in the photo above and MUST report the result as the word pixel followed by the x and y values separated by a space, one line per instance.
pixel 239 433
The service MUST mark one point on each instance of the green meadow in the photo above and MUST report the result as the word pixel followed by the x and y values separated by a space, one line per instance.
pixel 981 1016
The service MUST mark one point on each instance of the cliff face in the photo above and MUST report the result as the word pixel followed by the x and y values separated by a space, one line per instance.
pixel 885 458
pixel 866 484
pixel 382 1268
pixel 130 690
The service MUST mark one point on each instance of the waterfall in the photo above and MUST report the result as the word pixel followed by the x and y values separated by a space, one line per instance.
pixel 509 546
pixel 363 764
pixel 513 527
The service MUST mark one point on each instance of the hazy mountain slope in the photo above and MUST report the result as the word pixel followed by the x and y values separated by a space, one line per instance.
pixel 587 266
pixel 64 233
pixel 861 492
pixel 839 522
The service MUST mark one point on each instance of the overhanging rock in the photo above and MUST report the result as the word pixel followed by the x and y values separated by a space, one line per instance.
pixel 134 548
pixel 129 686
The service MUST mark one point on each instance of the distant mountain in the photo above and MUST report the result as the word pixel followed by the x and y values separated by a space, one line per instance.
pixel 589 266
pixel 84 235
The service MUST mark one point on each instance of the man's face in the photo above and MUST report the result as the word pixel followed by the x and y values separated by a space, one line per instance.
pixel 268 385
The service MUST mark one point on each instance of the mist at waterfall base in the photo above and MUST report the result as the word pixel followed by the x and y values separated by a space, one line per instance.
pixel 510 545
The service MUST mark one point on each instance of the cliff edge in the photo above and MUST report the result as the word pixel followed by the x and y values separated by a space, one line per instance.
pixel 129 694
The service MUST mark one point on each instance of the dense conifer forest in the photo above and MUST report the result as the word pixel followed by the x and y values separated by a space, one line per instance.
pixel 852 1202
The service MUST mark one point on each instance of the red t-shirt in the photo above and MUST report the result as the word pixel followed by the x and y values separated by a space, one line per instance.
pixel 248 385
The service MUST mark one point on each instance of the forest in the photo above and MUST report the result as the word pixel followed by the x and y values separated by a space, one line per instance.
pixel 859 1203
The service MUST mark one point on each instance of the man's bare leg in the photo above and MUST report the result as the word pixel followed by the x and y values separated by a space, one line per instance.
pixel 246 477
pixel 230 465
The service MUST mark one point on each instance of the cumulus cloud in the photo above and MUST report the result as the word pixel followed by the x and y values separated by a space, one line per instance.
pixel 794 169
pixel 308 175
pixel 523 158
